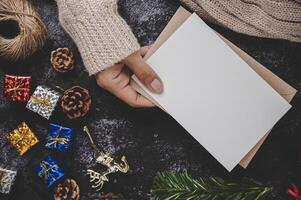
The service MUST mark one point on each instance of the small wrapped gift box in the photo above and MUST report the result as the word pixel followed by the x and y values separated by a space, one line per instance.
pixel 50 171
pixel 43 101
pixel 22 138
pixel 17 88
pixel 7 179
pixel 59 137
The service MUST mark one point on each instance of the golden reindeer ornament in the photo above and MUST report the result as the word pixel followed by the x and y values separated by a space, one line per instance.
pixel 107 160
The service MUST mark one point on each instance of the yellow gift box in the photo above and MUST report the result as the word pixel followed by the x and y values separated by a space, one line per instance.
pixel 22 138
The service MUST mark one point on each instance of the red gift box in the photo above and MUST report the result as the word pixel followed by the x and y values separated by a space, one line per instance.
pixel 17 88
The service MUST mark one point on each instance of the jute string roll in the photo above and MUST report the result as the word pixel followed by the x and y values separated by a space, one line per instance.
pixel 22 32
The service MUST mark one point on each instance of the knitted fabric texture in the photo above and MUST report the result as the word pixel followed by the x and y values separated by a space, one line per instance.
pixel 101 35
pixel 279 19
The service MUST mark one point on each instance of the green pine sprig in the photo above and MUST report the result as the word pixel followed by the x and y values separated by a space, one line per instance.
pixel 181 186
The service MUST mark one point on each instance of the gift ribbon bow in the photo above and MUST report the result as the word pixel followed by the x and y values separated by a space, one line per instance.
pixel 1 177
pixel 15 89
pixel 294 192
pixel 46 170
pixel 43 102
pixel 58 140
pixel 2 180
pixel 19 135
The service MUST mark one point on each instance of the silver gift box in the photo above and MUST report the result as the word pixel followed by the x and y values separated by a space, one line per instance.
pixel 43 101
pixel 7 179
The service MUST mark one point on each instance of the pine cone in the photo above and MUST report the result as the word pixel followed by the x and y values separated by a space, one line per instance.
pixel 62 60
pixel 68 190
pixel 76 102
pixel 111 196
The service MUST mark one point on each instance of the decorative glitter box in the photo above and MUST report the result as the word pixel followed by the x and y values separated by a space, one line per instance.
pixel 22 138
pixel 43 101
pixel 59 137
pixel 50 171
pixel 7 179
pixel 17 88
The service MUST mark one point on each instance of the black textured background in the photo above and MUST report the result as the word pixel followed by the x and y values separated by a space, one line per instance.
pixel 151 140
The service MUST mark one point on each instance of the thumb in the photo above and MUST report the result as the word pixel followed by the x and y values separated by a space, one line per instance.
pixel 144 72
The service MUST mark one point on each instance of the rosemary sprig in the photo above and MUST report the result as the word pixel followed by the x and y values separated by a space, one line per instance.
pixel 181 186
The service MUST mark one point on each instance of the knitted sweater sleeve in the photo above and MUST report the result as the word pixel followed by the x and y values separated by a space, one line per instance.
pixel 101 35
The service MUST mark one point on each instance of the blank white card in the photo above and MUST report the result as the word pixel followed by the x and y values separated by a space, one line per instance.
pixel 213 93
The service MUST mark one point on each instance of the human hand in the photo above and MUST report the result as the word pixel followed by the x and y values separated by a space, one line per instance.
pixel 116 80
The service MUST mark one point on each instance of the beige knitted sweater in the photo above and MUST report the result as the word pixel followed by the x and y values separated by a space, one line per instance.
pixel 279 19
pixel 101 35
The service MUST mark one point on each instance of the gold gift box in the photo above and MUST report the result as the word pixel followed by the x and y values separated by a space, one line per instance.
pixel 22 138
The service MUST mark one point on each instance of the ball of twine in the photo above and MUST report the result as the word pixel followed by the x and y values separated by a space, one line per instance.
pixel 22 32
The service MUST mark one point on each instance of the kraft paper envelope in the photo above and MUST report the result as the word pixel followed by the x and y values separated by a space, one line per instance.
pixel 285 90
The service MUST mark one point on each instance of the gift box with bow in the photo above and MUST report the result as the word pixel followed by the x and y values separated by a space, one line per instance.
pixel 59 137
pixel 22 138
pixel 50 171
pixel 17 88
pixel 43 101
pixel 7 179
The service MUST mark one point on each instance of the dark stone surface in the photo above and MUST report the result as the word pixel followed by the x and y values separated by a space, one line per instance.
pixel 152 140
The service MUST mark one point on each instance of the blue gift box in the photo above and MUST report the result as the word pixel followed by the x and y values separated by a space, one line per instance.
pixel 50 171
pixel 59 137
